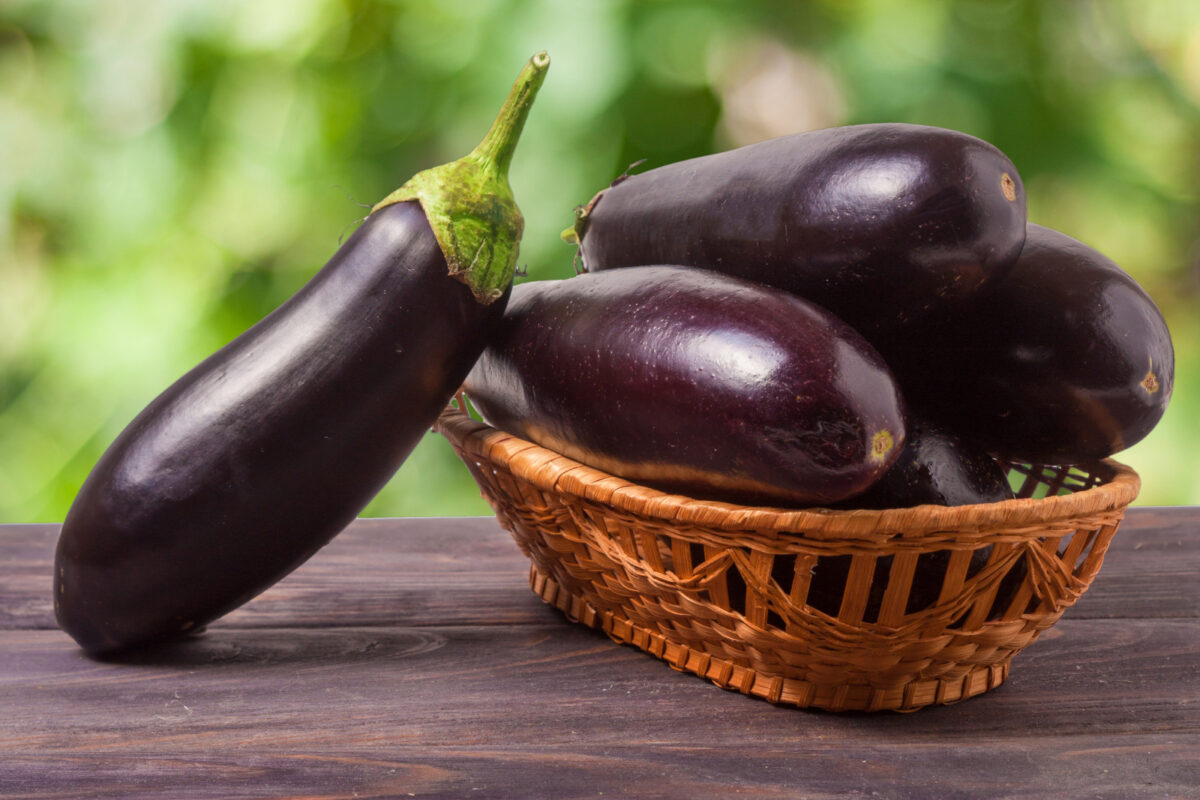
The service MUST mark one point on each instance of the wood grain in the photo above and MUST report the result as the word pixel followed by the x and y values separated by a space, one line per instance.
pixel 409 658
pixel 468 570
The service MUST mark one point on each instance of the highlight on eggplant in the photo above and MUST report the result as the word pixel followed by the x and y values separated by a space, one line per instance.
pixel 693 382
pixel 879 223
pixel 257 457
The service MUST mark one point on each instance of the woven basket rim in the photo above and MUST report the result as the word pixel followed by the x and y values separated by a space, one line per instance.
pixel 554 472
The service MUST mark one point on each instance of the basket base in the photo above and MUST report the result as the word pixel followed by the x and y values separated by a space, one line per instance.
pixel 756 683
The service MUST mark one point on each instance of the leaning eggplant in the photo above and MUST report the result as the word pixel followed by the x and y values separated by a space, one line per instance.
pixel 254 459
pixel 878 223
pixel 693 382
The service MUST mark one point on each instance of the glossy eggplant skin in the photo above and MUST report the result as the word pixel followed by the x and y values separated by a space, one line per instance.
pixel 878 223
pixel 936 467
pixel 693 382
pixel 258 456
pixel 1064 360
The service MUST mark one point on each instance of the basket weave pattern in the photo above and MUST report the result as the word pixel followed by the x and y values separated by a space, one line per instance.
pixel 730 592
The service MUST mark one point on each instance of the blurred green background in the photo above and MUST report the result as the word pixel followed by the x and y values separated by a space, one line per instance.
pixel 171 170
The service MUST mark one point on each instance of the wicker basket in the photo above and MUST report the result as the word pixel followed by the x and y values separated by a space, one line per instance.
pixel 727 592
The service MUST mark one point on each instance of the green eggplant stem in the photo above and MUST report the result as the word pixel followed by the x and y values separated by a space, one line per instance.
pixel 496 150
pixel 469 203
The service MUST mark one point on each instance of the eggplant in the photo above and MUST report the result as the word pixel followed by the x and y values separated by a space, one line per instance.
pixel 243 468
pixel 1064 360
pixel 878 223
pixel 936 467
pixel 692 382
pixel 828 582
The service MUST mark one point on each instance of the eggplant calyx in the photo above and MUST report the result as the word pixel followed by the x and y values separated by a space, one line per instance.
pixel 469 203
pixel 574 234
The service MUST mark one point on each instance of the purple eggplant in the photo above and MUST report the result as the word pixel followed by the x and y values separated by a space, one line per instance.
pixel 879 223
pixel 828 582
pixel 693 382
pixel 254 459
pixel 1064 360
pixel 936 467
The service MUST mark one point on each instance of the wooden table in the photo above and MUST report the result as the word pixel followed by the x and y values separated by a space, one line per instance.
pixel 410 659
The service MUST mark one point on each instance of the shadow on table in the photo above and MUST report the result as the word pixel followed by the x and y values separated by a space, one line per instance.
pixel 249 646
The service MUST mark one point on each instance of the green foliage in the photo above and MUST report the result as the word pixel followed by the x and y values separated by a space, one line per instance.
pixel 169 172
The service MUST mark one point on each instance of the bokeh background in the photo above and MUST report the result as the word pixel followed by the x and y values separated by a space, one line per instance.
pixel 171 170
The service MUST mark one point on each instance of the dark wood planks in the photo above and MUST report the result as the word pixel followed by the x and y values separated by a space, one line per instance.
pixel 1094 678
pixel 1152 570
pixel 564 707
pixel 468 570
pixel 410 656
pixel 1151 766
pixel 378 572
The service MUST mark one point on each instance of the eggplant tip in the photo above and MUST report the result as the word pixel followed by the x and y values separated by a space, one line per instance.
pixel 882 444
pixel 1009 187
